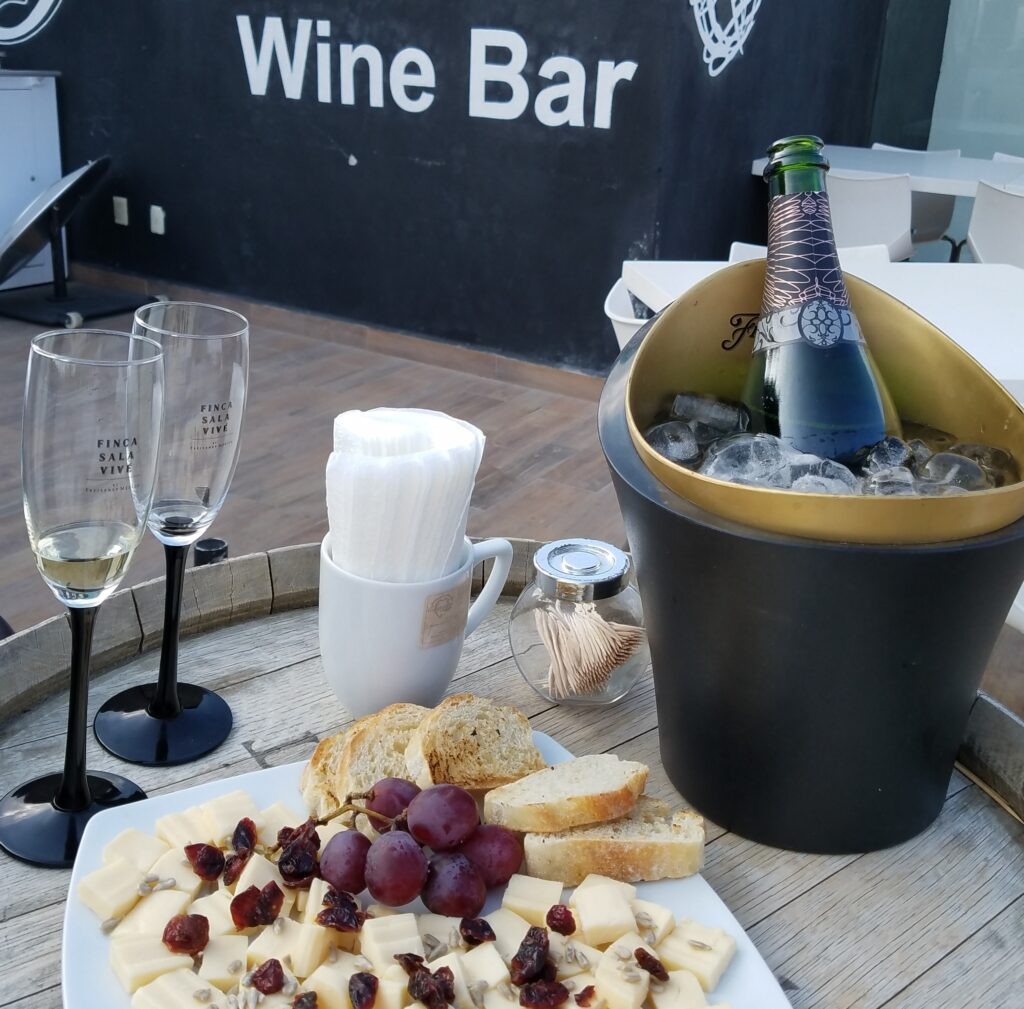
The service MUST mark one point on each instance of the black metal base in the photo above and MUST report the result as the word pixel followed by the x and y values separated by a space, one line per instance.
pixel 37 304
pixel 34 830
pixel 125 728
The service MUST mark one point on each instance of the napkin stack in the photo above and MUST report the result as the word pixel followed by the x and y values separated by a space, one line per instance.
pixel 398 490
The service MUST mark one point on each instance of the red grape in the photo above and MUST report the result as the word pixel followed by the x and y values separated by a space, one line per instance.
pixel 396 869
pixel 495 851
pixel 443 816
pixel 390 797
pixel 454 886
pixel 343 861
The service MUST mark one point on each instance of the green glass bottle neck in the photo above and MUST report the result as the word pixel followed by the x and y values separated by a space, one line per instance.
pixel 788 179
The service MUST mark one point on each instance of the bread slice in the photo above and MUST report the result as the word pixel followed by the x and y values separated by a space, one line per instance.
pixel 649 843
pixel 473 742
pixel 371 748
pixel 583 790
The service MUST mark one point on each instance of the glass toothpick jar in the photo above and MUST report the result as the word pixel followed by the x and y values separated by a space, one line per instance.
pixel 577 629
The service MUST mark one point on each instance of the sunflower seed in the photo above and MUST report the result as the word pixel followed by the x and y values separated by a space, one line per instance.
pixel 109 925
pixel 568 984
pixel 202 994
pixel 246 981
pixel 644 919
pixel 454 938
pixel 440 950
pixel 507 990
pixel 152 878
pixel 649 936
pixel 289 986
pixel 657 986
pixel 232 1002
pixel 361 963
pixel 697 944
pixel 582 959
pixel 166 884
pixel 332 955
pixel 278 926
pixel 570 952
pixel 430 941
pixel 622 953
pixel 631 974
pixel 145 889
pixel 477 990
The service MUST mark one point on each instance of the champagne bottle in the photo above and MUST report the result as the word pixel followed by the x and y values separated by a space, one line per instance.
pixel 812 381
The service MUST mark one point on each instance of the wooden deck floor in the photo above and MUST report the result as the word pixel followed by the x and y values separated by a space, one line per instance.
pixel 543 475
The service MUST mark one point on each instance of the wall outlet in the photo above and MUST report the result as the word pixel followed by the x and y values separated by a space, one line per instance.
pixel 121 211
pixel 157 219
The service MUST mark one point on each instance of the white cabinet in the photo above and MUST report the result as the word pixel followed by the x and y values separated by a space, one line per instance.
pixel 29 155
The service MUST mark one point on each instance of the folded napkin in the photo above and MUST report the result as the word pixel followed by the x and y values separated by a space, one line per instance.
pixel 398 490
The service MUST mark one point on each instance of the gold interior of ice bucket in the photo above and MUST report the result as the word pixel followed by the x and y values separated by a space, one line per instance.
pixel 702 343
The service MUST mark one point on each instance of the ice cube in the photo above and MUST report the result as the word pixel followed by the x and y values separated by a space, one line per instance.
pixel 824 469
pixel 887 453
pixel 675 441
pixel 810 483
pixel 723 416
pixel 704 433
pixel 958 470
pixel 928 489
pixel 935 439
pixel 897 481
pixel 920 451
pixel 758 459
pixel 997 463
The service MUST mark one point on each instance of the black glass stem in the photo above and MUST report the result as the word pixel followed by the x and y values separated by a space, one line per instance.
pixel 42 821
pixel 165 723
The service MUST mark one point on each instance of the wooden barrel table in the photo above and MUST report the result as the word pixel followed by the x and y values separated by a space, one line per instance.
pixel 936 922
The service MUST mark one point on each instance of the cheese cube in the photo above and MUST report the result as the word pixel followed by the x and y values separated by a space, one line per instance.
pixel 111 891
pixel 628 890
pixel 393 992
pixel 531 898
pixel 628 944
pixel 572 956
pixel 503 998
pixel 180 829
pixel 380 911
pixel 301 902
pixel 330 981
pixel 702 950
pixel 484 963
pixel 136 848
pixel 152 913
pixel 223 962
pixel 175 990
pixel 325 831
pixel 622 984
pixel 272 819
pixel 382 938
pixel 216 908
pixel 509 931
pixel 173 865
pixel 258 872
pixel 223 813
pixel 453 961
pixel 315 899
pixel 443 929
pixel 681 991
pixel 138 959
pixel 583 981
pixel 298 945
pixel 653 921
pixel 603 914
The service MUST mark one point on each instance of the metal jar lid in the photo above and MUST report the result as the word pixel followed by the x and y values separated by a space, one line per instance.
pixel 581 570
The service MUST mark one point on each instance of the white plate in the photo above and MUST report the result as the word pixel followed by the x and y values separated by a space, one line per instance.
pixel 88 981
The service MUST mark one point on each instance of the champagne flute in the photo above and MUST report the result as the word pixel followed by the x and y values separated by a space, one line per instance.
pixel 206 365
pixel 89 451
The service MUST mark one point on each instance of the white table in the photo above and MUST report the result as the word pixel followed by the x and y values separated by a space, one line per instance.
pixel 980 305
pixel 929 171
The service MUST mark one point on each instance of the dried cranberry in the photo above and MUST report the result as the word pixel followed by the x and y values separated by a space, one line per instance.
pixel 411 962
pixel 543 994
pixel 362 990
pixel 244 837
pixel 257 907
pixel 550 971
pixel 341 919
pixel 304 832
pixel 476 931
pixel 560 920
pixel 528 963
pixel 234 864
pixel 585 997
pixel 268 978
pixel 446 979
pixel 207 861
pixel 298 865
pixel 650 963
pixel 340 898
pixel 307 1000
pixel 426 988
pixel 187 933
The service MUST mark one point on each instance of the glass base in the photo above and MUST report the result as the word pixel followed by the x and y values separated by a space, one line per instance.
pixel 33 830
pixel 125 728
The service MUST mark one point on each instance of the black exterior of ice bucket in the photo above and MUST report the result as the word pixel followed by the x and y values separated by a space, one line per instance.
pixel 810 695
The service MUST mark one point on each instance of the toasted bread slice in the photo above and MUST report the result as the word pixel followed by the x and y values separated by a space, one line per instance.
pixel 473 742
pixel 583 790
pixel 372 748
pixel 646 844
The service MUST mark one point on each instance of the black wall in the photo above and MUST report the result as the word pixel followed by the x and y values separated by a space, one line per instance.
pixel 506 234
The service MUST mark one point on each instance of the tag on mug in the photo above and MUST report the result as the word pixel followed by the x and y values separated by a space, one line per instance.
pixel 444 615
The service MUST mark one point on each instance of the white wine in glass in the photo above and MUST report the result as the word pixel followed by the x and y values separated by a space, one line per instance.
pixel 90 446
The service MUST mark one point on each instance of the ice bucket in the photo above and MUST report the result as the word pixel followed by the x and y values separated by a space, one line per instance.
pixel 811 693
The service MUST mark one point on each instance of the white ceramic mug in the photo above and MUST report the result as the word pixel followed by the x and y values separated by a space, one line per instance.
pixel 385 642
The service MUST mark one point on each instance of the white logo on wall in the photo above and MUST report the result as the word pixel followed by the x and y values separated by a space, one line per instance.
pixel 722 43
pixel 34 18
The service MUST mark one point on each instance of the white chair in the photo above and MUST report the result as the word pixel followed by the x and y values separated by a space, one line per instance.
pixel 996 231
pixel 999 156
pixel 871 210
pixel 930 213
pixel 852 258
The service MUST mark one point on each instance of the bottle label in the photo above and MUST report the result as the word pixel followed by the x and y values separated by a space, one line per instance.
pixel 805 297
